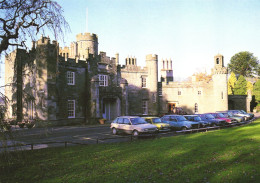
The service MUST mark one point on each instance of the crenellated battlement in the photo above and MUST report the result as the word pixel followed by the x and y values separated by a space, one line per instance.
pixel 86 37
pixel 152 57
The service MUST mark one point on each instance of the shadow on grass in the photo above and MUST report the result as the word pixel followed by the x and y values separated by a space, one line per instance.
pixel 228 155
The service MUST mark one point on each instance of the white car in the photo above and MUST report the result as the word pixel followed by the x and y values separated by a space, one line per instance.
pixel 132 125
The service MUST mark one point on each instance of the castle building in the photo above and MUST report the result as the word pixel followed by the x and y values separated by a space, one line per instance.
pixel 77 84
pixel 197 96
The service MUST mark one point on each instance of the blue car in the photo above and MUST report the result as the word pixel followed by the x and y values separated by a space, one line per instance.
pixel 178 122
pixel 196 118
pixel 211 119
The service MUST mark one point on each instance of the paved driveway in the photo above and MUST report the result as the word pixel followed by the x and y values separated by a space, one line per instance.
pixel 75 134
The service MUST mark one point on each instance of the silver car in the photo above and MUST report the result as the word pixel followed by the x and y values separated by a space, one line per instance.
pixel 132 125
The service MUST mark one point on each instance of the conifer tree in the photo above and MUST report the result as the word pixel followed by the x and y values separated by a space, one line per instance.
pixel 240 86
pixel 231 83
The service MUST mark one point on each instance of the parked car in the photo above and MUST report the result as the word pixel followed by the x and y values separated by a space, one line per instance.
pixel 162 127
pixel 211 119
pixel 228 121
pixel 250 114
pixel 238 119
pixel 239 113
pixel 179 122
pixel 196 118
pixel 134 125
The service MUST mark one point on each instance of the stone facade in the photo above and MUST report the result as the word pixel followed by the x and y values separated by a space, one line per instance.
pixel 197 97
pixel 77 85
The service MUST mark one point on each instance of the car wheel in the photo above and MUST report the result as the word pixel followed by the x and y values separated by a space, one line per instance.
pixel 184 128
pixel 214 125
pixel 135 133
pixel 114 131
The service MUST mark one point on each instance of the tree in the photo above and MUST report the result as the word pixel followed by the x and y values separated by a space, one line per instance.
pixel 23 19
pixel 249 86
pixel 202 76
pixel 240 86
pixel 256 91
pixel 244 63
pixel 231 83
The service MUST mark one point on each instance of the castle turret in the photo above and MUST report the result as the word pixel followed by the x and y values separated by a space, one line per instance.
pixel 152 66
pixel 219 78
pixel 87 44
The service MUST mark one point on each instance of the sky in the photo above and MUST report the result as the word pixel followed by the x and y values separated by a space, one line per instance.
pixel 190 32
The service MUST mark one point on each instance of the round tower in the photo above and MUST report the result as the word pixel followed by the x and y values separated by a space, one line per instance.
pixel 152 66
pixel 220 80
pixel 87 44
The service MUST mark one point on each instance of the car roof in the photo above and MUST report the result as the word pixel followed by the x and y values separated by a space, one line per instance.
pixel 128 117
pixel 150 117
pixel 191 115
pixel 172 115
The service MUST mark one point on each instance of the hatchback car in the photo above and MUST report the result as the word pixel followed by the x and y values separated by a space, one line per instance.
pixel 196 118
pixel 238 119
pixel 211 119
pixel 239 113
pixel 228 121
pixel 134 125
pixel 179 122
pixel 162 127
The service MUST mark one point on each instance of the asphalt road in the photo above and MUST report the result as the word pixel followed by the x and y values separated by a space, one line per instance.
pixel 46 137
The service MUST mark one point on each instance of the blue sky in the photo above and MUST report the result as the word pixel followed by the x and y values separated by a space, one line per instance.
pixel 190 32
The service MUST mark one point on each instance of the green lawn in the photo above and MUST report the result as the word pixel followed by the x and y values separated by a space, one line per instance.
pixel 227 155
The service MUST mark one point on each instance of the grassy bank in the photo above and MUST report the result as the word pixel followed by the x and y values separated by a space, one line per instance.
pixel 227 155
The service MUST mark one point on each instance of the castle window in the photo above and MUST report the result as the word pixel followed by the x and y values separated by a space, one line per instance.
pixel 154 98
pixel 199 92
pixel 196 108
pixel 145 107
pixel 179 92
pixel 103 80
pixel 70 78
pixel 143 82
pixel 71 108
pixel 222 95
pixel 217 61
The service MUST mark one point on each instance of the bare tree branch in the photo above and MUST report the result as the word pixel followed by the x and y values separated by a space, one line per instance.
pixel 20 19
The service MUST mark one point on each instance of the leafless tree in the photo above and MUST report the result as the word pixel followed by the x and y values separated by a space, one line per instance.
pixel 24 19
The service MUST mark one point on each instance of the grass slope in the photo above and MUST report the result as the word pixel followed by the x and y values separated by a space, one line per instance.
pixel 227 155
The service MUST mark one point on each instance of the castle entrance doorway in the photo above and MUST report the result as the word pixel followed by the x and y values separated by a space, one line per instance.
pixel 171 107
pixel 110 108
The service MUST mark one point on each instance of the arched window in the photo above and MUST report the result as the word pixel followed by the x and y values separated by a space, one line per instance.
pixel 217 61
pixel 196 108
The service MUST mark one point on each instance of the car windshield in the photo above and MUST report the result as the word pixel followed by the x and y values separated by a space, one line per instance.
pixel 209 116
pixel 221 115
pixel 137 121
pixel 230 114
pixel 243 112
pixel 181 118
pixel 156 120
pixel 225 115
pixel 197 118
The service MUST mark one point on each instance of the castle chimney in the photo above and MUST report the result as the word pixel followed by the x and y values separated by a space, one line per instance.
pixel 117 58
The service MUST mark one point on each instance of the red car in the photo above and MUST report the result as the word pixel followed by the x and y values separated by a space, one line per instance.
pixel 221 116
